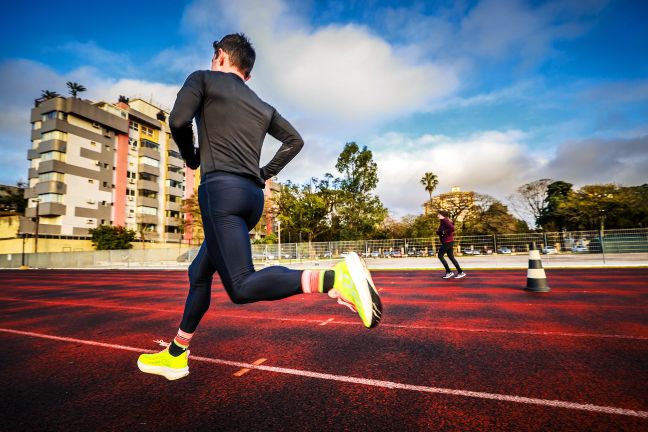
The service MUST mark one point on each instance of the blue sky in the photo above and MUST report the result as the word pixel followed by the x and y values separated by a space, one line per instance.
pixel 487 94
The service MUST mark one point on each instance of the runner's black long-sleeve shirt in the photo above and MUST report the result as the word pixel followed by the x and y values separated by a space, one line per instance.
pixel 232 123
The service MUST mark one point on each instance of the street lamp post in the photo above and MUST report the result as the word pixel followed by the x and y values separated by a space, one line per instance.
pixel 37 220
pixel 279 236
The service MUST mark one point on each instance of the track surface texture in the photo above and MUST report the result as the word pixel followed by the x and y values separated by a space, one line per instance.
pixel 477 354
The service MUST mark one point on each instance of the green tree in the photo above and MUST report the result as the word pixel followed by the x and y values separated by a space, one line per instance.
pixel 75 88
pixel 49 94
pixel 430 181
pixel 304 210
pixel 489 216
pixel 550 219
pixel 192 223
pixel 360 213
pixel 106 237
pixel 529 200
pixel 13 199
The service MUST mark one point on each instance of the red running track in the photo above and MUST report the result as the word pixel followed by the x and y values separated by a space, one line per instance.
pixel 472 354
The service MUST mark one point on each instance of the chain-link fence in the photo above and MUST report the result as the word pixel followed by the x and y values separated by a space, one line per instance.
pixel 587 245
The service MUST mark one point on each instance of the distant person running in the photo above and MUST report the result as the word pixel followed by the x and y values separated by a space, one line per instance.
pixel 232 122
pixel 446 234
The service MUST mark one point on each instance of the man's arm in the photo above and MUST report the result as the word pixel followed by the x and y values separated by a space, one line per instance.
pixel 184 110
pixel 291 144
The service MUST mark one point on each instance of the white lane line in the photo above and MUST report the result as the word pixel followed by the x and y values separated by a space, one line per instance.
pixel 323 323
pixel 353 323
pixel 364 381
pixel 243 371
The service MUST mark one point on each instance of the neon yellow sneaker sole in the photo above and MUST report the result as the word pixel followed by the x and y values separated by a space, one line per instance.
pixel 354 284
pixel 164 364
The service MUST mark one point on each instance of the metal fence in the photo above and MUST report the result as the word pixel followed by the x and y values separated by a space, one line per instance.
pixel 585 244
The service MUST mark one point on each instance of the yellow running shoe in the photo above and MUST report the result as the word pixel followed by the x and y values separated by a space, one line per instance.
pixel 163 363
pixel 354 288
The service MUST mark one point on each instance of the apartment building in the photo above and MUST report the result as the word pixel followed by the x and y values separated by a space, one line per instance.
pixel 100 163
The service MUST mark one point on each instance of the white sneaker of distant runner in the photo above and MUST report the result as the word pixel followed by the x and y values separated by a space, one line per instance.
pixel 448 275
pixel 460 275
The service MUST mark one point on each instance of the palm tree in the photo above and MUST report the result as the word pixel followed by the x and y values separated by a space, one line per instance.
pixel 49 94
pixel 430 181
pixel 75 88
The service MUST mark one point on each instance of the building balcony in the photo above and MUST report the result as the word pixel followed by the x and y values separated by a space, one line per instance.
pixel 170 221
pixel 30 193
pixel 52 145
pixel 173 206
pixel 177 176
pixel 46 209
pixel 50 187
pixel 150 169
pixel 32 154
pixel 147 202
pixel 149 152
pixel 147 219
pixel 174 191
pixel 176 162
pixel 32 173
pixel 148 185
pixel 52 165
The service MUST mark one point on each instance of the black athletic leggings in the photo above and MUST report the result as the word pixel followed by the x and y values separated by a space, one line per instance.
pixel 231 206
pixel 447 248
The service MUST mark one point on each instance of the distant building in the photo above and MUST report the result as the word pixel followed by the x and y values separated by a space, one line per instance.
pixel 100 163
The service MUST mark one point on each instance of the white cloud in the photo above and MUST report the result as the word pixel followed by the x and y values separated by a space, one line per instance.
pixel 341 73
pixel 489 162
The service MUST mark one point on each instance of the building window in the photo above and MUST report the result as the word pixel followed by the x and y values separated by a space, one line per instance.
pixel 148 177
pixel 172 214
pixel 149 161
pixel 147 131
pixel 51 197
pixel 36 125
pixel 174 199
pixel 51 176
pixel 51 135
pixel 174 183
pixel 52 155
pixel 150 144
pixel 130 192
pixel 54 115
pixel 144 210
pixel 133 125
pixel 147 193
pixel 174 154
pixel 174 169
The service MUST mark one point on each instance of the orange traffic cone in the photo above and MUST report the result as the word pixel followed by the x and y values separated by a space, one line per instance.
pixel 536 278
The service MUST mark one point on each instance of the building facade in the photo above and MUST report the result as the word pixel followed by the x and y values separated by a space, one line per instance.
pixel 95 164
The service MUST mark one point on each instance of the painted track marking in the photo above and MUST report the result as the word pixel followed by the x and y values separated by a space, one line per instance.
pixel 323 323
pixel 364 381
pixel 246 370
pixel 352 323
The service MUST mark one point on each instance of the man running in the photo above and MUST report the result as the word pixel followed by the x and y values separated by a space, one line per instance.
pixel 232 122
pixel 446 234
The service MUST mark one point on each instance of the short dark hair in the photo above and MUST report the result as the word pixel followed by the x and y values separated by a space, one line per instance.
pixel 444 213
pixel 240 51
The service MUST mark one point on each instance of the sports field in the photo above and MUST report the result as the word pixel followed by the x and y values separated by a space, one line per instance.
pixel 478 354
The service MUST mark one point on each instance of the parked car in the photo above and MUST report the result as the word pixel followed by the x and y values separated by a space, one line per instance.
pixel 549 250
pixel 396 254
pixel 375 254
pixel 503 250
pixel 579 249
pixel 327 254
pixel 471 252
